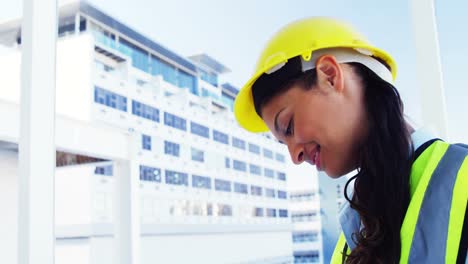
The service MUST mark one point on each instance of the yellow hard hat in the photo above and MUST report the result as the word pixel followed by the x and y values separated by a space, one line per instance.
pixel 301 38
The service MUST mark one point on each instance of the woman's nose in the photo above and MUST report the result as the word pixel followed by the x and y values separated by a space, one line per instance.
pixel 297 154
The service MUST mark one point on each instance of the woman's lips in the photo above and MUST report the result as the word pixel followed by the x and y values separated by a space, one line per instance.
pixel 314 156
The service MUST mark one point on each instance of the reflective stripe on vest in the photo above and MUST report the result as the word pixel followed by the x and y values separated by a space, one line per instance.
pixel 431 229
pixel 425 230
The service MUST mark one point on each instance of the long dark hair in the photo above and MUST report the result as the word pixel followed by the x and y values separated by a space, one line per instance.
pixel 381 187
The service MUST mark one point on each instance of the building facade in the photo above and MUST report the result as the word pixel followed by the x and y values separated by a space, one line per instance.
pixel 209 192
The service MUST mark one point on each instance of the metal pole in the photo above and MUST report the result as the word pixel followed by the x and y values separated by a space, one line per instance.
pixel 37 125
pixel 431 91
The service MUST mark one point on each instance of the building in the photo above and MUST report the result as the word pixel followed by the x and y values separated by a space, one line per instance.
pixel 206 190
pixel 314 213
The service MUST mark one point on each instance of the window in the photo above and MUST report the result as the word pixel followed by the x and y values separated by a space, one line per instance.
pixel 211 78
pixel 146 142
pixel 66 29
pixel 269 173
pixel 201 182
pixel 240 188
pixel 282 195
pixel 258 212
pixel 280 157
pixel 304 216
pixel 282 176
pixel 222 185
pixel 224 210
pixel 140 57
pixel 171 148
pixel 267 153
pixel 271 212
pixel 176 178
pixel 254 169
pixel 198 155
pixel 270 192
pixel 150 174
pixel 256 190
pixel 254 148
pixel 239 165
pixel 185 80
pixel 238 143
pixel 104 170
pixel 220 137
pixel 167 71
pixel 199 130
pixel 227 163
pixel 145 111
pixel 283 213
pixel 175 121
pixel 302 196
pixel 305 237
pixel 306 256
pixel 110 99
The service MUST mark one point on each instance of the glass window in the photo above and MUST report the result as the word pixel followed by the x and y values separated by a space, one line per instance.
pixel 199 130
pixel 305 237
pixel 239 165
pixel 146 142
pixel 282 195
pixel 66 29
pixel 167 71
pixel 282 176
pixel 222 185
pixel 240 188
pixel 201 182
pixel 210 78
pixel 171 148
pixel 268 153
pixel 283 213
pixel 150 174
pixel 176 178
pixel 224 210
pixel 256 190
pixel 101 36
pixel 186 80
pixel 104 170
pixel 238 143
pixel 175 121
pixel 254 148
pixel 227 163
pixel 280 157
pixel 258 212
pixel 145 111
pixel 110 99
pixel 269 173
pixel 198 155
pixel 140 57
pixel 254 169
pixel 270 192
pixel 304 216
pixel 271 212
pixel 220 137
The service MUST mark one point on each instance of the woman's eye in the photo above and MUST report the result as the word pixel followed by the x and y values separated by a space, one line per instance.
pixel 289 131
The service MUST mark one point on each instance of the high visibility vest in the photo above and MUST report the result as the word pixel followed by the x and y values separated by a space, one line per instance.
pixel 432 227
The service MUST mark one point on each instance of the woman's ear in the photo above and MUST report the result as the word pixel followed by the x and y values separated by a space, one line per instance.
pixel 329 73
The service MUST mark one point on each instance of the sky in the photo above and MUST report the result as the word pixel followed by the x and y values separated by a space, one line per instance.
pixel 235 31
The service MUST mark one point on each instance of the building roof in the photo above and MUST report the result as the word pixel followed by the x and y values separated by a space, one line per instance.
pixel 207 61
pixel 100 16
pixel 230 89
pixel 10 30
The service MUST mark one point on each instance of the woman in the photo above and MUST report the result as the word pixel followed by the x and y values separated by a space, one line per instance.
pixel 324 91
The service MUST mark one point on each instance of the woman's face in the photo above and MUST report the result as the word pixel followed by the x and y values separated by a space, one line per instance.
pixel 324 125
